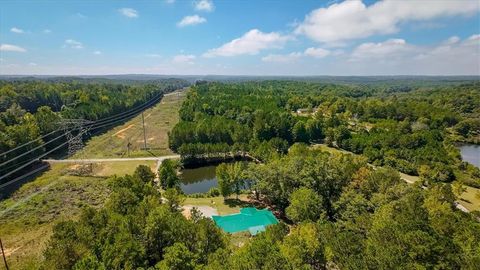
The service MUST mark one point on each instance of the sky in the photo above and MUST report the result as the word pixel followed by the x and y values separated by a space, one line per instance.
pixel 271 37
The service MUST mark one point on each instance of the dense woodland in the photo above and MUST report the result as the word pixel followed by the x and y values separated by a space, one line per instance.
pixel 410 128
pixel 30 109
pixel 336 211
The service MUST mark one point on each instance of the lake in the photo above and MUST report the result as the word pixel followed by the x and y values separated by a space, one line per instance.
pixel 198 180
pixel 470 153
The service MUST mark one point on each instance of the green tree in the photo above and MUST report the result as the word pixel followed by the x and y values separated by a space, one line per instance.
pixel 303 249
pixel 167 173
pixel 230 178
pixel 144 173
pixel 177 257
pixel 305 205
pixel 300 133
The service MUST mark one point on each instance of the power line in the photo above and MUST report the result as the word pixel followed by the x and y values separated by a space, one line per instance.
pixel 94 125
pixel 103 119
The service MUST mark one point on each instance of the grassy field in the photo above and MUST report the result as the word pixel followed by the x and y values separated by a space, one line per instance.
pixel 27 217
pixel 158 121
pixel 471 199
pixel 224 207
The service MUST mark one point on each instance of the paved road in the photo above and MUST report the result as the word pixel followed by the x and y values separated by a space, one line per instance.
pixel 97 160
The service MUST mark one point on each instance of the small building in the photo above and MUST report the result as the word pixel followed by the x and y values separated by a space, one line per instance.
pixel 249 219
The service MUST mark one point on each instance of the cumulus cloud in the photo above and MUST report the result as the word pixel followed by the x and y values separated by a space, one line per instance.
pixel 97 52
pixel 73 44
pixel 282 58
pixel 317 52
pixel 384 50
pixel 353 19
pixel 183 59
pixel 17 30
pixel 128 12
pixel 250 43
pixel 396 56
pixel 309 52
pixel 11 48
pixel 191 20
pixel 204 5
pixel 47 31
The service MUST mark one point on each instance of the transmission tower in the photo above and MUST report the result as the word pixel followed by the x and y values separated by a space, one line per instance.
pixel 74 130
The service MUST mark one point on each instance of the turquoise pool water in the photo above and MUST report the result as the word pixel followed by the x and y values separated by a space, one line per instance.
pixel 249 219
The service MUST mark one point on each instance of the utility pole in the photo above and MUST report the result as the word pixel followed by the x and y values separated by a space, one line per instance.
pixel 3 253
pixel 144 135
pixel 128 147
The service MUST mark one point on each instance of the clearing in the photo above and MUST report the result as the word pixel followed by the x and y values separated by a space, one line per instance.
pixel 159 120
pixel 27 216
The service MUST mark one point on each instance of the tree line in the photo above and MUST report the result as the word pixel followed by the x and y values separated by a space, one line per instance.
pixel 409 129
pixel 32 109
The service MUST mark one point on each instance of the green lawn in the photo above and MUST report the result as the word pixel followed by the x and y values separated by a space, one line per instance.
pixel 27 217
pixel 121 167
pixel 470 199
pixel 224 207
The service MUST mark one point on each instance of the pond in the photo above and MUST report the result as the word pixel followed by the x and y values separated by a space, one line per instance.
pixel 198 180
pixel 471 154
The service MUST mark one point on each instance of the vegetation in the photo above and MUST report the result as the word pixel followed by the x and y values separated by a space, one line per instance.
pixel 32 110
pixel 133 231
pixel 411 129
pixel 337 210
pixel 359 218
pixel 29 214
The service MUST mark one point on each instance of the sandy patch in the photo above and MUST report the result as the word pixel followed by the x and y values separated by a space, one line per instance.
pixel 206 211
pixel 10 251
pixel 120 134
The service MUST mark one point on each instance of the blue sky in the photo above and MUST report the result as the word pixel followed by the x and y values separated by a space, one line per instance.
pixel 424 37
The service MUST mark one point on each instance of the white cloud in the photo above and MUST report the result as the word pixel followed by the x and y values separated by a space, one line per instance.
pixel 16 30
pixel 250 43
pixel 11 48
pixel 169 1
pixel 353 19
pixel 282 58
pixel 311 52
pixel 32 64
pixel 317 52
pixel 204 5
pixel 183 59
pixel 396 56
pixel 128 12
pixel 97 52
pixel 384 50
pixel 47 31
pixel 73 44
pixel 191 20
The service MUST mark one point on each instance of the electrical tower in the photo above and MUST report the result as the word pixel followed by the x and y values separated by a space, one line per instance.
pixel 74 130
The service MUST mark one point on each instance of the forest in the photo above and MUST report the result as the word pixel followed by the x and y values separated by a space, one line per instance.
pixel 32 110
pixel 338 210
pixel 410 128
pixel 337 213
